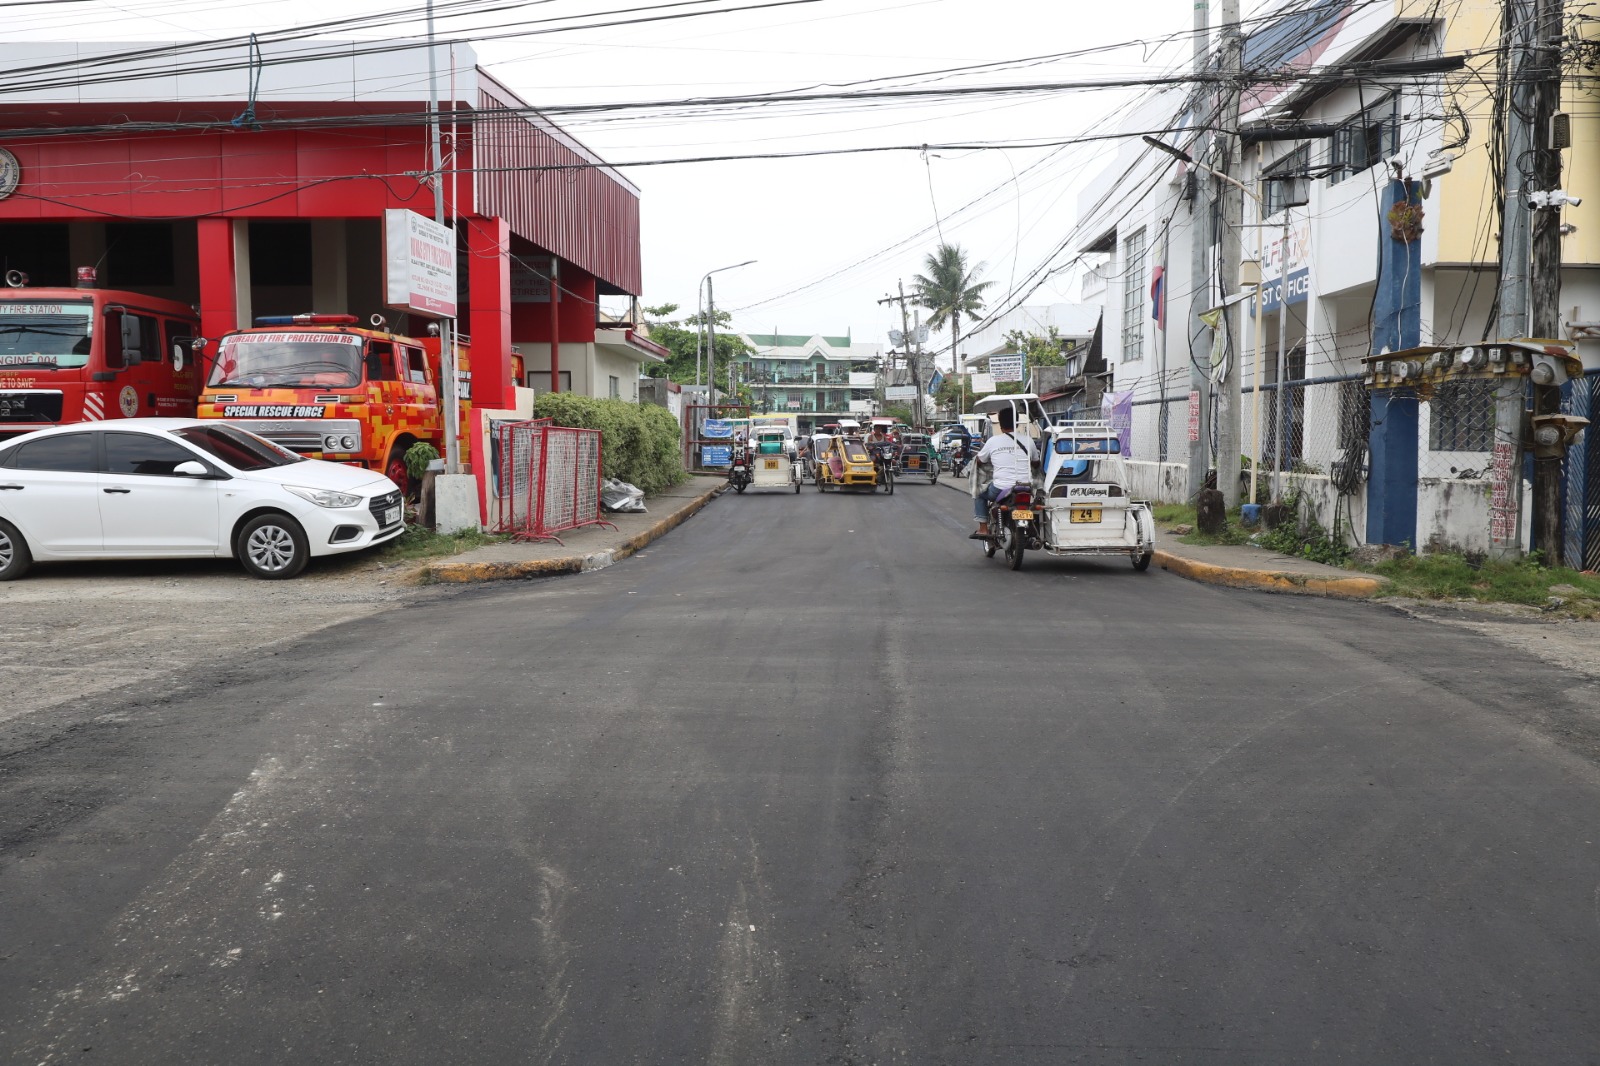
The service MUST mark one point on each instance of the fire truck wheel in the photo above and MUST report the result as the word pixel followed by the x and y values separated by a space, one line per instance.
pixel 395 469
pixel 14 556
pixel 272 546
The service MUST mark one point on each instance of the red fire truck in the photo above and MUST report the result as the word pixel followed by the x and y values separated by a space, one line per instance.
pixel 326 388
pixel 87 354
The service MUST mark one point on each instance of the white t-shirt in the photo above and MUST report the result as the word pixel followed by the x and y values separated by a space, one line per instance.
pixel 1011 456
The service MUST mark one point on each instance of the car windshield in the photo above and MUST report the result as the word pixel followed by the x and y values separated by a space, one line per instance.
pixel 45 335
pixel 288 360
pixel 240 450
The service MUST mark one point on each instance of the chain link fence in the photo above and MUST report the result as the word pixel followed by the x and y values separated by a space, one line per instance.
pixel 546 479
pixel 1456 425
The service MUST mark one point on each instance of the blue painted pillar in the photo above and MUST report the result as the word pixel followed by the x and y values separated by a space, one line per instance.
pixel 1396 326
pixel 1392 482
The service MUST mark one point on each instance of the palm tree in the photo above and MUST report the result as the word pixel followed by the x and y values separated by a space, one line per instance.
pixel 950 290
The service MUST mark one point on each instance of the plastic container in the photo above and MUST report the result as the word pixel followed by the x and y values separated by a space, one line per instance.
pixel 1250 513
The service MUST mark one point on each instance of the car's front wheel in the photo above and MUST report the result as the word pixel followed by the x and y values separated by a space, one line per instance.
pixel 272 546
pixel 14 555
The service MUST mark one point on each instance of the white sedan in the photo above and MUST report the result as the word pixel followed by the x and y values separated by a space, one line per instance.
pixel 167 488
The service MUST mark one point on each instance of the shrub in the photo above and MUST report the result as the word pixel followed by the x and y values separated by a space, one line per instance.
pixel 417 458
pixel 639 442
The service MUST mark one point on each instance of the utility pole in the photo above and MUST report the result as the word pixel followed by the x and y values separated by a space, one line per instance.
pixel 1200 271
pixel 1544 62
pixel 1505 504
pixel 1230 432
pixel 711 341
pixel 911 359
pixel 447 342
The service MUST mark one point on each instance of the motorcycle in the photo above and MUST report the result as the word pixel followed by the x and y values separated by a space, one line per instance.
pixel 884 456
pixel 1013 526
pixel 739 473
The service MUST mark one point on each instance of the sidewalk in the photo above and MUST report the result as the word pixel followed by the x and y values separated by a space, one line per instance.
pixel 588 548
pixel 1246 567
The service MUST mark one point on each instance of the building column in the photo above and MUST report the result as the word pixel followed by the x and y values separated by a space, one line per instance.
pixel 219 294
pixel 330 267
pixel 1392 482
pixel 489 252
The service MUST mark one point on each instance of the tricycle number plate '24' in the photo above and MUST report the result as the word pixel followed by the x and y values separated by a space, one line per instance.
pixel 771 464
pixel 1086 514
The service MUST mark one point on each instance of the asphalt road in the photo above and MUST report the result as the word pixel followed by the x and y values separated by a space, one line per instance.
pixel 810 781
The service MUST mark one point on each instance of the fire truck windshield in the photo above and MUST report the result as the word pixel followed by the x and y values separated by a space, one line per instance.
pixel 46 335
pixel 276 360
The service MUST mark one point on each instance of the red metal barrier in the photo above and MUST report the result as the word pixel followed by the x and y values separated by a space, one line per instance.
pixel 547 479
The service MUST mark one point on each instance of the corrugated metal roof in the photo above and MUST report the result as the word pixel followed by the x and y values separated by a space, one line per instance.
pixel 581 209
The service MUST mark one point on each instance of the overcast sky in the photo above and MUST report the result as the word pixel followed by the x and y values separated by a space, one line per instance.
pixel 808 222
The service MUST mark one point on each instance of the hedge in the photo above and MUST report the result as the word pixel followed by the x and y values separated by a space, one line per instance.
pixel 640 442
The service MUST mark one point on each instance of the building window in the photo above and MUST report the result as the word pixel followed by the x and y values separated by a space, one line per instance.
pixel 1285 182
pixel 1461 417
pixel 1365 139
pixel 616 388
pixel 1133 297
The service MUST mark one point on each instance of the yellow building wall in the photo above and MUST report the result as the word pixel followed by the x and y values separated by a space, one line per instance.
pixel 1461 205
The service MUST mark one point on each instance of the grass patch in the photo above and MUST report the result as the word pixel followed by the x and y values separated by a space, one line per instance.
pixel 419 542
pixel 1457 577
pixel 1231 533
pixel 1173 514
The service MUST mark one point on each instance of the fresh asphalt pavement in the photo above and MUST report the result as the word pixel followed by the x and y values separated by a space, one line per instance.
pixel 811 781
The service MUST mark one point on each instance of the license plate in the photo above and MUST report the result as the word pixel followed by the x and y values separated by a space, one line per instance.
pixel 1022 516
pixel 1085 514
pixel 391 516
pixel 914 461
pixel 771 464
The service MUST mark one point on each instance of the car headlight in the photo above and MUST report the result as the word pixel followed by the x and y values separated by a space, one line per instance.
pixel 325 497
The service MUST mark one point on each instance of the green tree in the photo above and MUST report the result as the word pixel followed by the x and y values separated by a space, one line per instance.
pixel 1037 350
pixel 683 338
pixel 950 290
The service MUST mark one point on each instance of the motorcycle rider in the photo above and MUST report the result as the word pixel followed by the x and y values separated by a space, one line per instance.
pixel 1011 457
pixel 879 444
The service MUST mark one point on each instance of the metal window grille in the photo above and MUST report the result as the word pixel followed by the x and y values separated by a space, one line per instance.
pixel 1365 139
pixel 1133 295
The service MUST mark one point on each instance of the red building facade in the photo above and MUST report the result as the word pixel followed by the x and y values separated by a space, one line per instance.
pixel 274 205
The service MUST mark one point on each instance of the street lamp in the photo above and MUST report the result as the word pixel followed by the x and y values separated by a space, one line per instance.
pixel 710 321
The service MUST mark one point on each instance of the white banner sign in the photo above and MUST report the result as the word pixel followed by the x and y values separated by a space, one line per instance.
pixel 1006 367
pixel 900 392
pixel 419 264
pixel 861 407
pixel 982 383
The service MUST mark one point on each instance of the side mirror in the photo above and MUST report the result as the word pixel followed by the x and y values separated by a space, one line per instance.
pixel 191 468
pixel 129 327
pixel 177 358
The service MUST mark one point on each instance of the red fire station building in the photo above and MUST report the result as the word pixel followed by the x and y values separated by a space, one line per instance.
pixel 254 182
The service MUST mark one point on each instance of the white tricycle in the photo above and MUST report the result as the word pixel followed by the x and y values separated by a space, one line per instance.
pixel 1081 503
pixel 772 459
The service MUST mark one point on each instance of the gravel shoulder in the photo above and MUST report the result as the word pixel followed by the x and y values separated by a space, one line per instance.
pixel 72 632
pixel 1562 642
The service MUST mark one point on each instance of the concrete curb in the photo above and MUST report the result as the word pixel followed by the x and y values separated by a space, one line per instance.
pixel 471 573
pixel 1344 588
